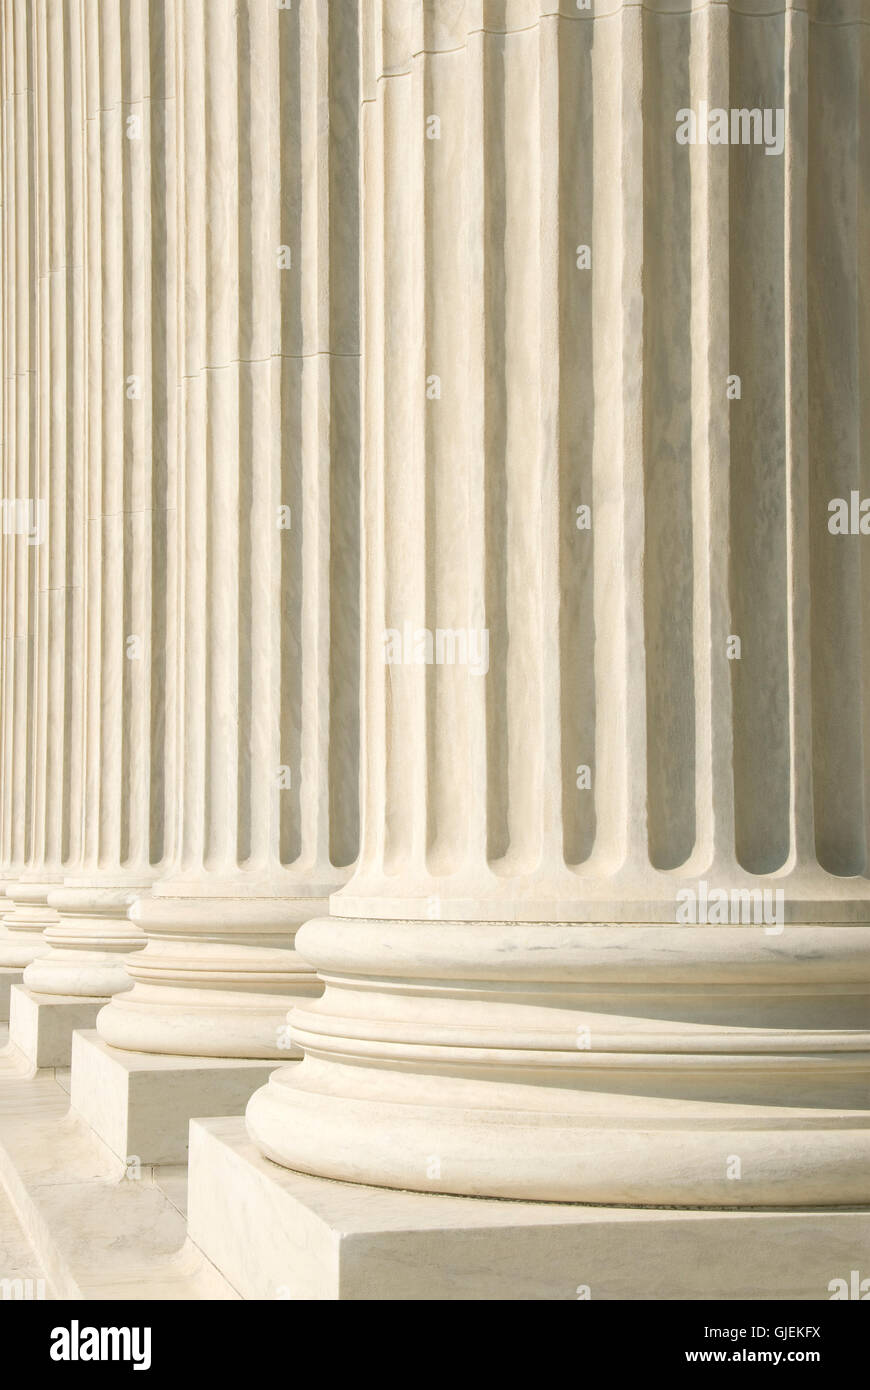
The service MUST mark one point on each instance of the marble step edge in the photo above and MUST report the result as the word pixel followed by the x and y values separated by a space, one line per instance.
pixel 59 1279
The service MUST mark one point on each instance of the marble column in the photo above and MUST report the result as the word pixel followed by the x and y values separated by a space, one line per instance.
pixel 20 539
pixel 578 723
pixel 46 704
pixel 130 562
pixel 268 510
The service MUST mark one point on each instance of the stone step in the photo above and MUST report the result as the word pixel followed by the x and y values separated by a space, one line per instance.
pixel 96 1229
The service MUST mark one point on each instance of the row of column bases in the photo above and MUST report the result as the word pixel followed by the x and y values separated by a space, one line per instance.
pixel 576 420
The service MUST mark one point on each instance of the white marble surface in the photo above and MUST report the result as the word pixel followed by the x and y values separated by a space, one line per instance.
pixel 140 1104
pixel 41 1025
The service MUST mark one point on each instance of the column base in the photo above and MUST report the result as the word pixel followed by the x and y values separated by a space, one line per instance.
pixel 25 918
pixel 216 979
pixel 19 949
pixel 276 1234
pixel 41 1026
pixel 8 978
pixel 141 1104
pixel 90 944
pixel 623 1066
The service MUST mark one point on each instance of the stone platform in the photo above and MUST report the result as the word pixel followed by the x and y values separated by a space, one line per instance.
pixel 274 1233
pixel 141 1103
pixel 41 1025
pixel 8 977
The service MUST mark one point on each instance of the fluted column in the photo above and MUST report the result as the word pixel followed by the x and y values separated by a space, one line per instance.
pixel 128 817
pixel 558 294
pixel 7 89
pixel 52 415
pixel 19 485
pixel 267 518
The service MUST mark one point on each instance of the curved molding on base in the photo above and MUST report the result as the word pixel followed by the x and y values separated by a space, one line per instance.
pixel 89 945
pixel 659 1066
pixel 20 949
pixel 24 921
pixel 533 1157
pixel 88 974
pixel 190 1023
pixel 216 979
